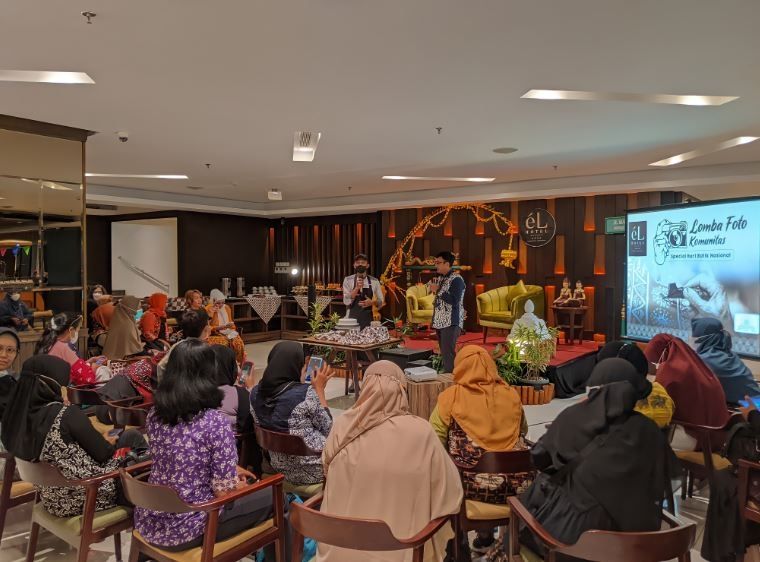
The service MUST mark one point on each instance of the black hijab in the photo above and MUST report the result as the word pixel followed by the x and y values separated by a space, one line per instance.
pixel 33 405
pixel 226 365
pixel 283 368
pixel 628 351
pixel 616 369
pixel 627 473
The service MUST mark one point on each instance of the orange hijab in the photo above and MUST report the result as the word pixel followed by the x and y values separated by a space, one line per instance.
pixel 157 304
pixel 485 407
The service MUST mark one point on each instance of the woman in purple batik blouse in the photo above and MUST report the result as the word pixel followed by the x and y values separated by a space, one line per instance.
pixel 193 449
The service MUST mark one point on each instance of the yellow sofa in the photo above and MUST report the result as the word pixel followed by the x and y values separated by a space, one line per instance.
pixel 499 308
pixel 419 305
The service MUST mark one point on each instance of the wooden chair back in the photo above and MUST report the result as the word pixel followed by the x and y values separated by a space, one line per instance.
pixel 749 511
pixel 152 496
pixel 354 534
pixel 284 443
pixel 42 474
pixel 6 501
pixel 502 462
pixel 129 417
pixel 85 395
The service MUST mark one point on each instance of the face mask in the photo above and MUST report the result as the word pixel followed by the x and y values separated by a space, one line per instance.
pixel 361 269
pixel 96 296
pixel 15 297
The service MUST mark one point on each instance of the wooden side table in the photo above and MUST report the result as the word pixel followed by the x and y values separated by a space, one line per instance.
pixel 574 316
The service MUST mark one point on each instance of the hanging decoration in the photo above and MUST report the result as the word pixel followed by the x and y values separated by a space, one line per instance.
pixel 15 250
pixel 27 249
pixel 2 251
pixel 437 219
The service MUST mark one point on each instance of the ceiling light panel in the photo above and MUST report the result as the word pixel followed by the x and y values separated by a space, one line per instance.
pixel 139 176
pixel 673 99
pixel 45 76
pixel 305 146
pixel 432 178
pixel 678 158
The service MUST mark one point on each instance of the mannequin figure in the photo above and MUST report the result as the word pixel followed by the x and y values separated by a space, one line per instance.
pixel 565 293
pixel 579 294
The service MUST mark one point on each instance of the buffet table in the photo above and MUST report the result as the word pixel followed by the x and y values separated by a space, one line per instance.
pixel 352 355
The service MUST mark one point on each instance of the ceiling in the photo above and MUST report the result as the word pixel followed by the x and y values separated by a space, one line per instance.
pixel 227 84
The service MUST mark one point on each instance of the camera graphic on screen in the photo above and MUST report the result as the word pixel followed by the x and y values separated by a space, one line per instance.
pixel 668 235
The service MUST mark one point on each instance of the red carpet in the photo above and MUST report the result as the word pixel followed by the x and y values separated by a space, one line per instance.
pixel 565 353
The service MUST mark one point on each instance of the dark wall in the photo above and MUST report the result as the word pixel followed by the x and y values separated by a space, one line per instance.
pixel 99 250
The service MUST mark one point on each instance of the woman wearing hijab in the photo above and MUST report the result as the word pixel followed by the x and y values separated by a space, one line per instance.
pixel 223 329
pixel 153 323
pixel 281 402
pixel 658 406
pixel 695 390
pixel 236 401
pixel 602 464
pixel 38 425
pixel 480 413
pixel 406 489
pixel 713 345
pixel 123 339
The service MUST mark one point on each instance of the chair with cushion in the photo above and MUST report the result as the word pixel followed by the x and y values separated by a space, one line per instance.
pixel 419 305
pixel 674 543
pixel 12 493
pixel 703 464
pixel 355 534
pixel 481 516
pixel 80 531
pixel 166 499
pixel 286 444
pixel 499 308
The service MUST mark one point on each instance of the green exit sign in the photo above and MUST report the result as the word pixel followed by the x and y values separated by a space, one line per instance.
pixel 614 225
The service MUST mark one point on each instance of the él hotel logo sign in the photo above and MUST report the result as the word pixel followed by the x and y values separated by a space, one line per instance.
pixel 538 228
pixel 637 238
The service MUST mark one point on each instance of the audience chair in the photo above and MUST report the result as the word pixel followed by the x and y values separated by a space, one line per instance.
pixel 84 395
pixel 481 516
pixel 748 479
pixel 129 412
pixel 674 543
pixel 80 531
pixel 12 493
pixel 704 463
pixel 166 499
pixel 286 444
pixel 355 534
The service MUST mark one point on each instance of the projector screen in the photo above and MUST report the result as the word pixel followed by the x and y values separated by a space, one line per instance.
pixel 692 261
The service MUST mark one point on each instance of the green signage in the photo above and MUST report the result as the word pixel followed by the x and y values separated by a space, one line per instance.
pixel 614 225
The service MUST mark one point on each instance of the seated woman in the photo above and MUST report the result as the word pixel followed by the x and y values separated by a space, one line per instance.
pixel 397 470
pixel 59 339
pixel 9 346
pixel 602 464
pixel 193 450
pixel 123 338
pixel 100 322
pixel 38 425
pixel 153 326
pixel 223 329
pixel 281 402
pixel 236 403
pixel 192 324
pixel 481 413
pixel 98 295
pixel 14 313
pixel 194 301
pixel 713 345
pixel 658 406
pixel 695 390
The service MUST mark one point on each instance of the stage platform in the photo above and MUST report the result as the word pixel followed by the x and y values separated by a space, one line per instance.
pixel 568 370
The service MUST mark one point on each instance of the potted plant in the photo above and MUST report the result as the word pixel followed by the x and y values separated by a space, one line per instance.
pixel 536 347
pixel 507 358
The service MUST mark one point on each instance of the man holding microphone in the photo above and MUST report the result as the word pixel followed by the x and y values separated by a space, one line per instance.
pixel 359 291
pixel 448 307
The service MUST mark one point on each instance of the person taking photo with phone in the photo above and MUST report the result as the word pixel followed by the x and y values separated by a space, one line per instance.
pixel 361 291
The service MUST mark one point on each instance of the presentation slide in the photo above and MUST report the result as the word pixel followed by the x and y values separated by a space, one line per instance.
pixel 694 261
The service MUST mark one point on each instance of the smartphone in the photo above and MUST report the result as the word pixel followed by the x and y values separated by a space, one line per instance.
pixel 245 372
pixel 315 364
pixel 674 291
pixel 115 432
pixel 745 404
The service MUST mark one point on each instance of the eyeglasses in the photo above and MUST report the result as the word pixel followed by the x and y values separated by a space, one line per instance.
pixel 9 350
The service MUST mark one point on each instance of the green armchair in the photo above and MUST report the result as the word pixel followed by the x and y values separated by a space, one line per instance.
pixel 419 305
pixel 499 308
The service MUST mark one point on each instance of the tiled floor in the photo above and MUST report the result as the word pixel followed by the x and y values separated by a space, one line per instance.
pixel 13 545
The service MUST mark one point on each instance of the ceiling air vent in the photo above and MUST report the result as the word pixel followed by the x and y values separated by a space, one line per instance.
pixel 305 145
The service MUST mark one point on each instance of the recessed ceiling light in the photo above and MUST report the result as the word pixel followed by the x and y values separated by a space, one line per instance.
pixel 504 150
pixel 305 146
pixel 427 178
pixel 678 158
pixel 579 95
pixel 139 176
pixel 45 76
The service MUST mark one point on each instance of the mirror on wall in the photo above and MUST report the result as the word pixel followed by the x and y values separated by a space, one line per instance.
pixel 41 237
